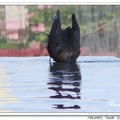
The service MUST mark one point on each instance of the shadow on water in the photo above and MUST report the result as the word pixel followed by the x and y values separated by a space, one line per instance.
pixel 65 80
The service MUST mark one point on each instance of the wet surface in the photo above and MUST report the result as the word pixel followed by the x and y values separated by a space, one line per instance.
pixel 32 84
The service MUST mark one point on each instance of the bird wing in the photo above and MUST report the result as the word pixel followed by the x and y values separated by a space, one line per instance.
pixel 75 35
pixel 55 36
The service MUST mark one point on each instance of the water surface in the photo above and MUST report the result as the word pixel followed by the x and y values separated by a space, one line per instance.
pixel 32 84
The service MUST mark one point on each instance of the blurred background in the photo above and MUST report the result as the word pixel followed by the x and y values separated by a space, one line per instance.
pixel 23 28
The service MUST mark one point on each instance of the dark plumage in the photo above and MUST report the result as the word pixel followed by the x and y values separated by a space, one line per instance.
pixel 64 45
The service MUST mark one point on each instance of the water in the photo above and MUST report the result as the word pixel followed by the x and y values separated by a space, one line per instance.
pixel 31 84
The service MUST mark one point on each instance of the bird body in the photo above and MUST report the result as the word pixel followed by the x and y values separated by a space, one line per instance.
pixel 64 45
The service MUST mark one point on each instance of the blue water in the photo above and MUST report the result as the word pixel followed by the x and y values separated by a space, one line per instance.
pixel 32 84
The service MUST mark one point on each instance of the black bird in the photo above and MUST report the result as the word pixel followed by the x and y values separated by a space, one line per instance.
pixel 64 45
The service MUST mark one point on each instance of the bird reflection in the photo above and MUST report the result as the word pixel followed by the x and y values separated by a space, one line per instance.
pixel 61 106
pixel 65 80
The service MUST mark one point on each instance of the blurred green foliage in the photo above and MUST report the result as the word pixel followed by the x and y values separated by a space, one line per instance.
pixel 3 40
pixel 88 17
pixel 9 46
